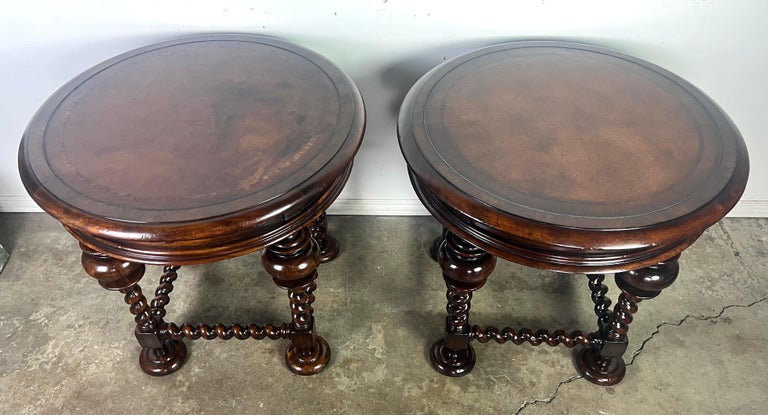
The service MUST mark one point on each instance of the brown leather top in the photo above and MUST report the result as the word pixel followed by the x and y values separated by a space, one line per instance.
pixel 192 129
pixel 569 135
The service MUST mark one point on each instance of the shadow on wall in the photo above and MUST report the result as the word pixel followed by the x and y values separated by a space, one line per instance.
pixel 384 86
pixel 401 75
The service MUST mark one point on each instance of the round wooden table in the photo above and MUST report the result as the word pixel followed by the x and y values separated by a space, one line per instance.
pixel 197 150
pixel 571 158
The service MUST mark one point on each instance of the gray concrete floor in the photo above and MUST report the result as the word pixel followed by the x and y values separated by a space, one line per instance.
pixel 66 345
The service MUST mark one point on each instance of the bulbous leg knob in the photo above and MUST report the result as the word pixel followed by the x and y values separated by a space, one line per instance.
pixel 605 365
pixel 293 262
pixel 465 269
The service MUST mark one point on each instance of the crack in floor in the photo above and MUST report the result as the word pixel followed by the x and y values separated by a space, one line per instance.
pixel 551 397
pixel 689 316
pixel 639 350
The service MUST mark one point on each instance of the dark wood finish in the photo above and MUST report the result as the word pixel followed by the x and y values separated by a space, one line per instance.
pixel 572 158
pixel 160 354
pixel 434 247
pixel 465 269
pixel 329 246
pixel 604 364
pixel 525 145
pixel 161 153
pixel 195 150
pixel 293 262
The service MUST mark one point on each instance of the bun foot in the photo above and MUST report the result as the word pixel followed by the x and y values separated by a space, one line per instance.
pixel 306 365
pixel 329 248
pixel 452 363
pixel 170 359
pixel 603 371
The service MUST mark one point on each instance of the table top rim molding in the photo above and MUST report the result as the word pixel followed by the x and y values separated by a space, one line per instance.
pixel 549 239
pixel 257 215
pixel 429 166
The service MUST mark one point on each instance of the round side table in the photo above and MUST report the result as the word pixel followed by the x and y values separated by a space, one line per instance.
pixel 198 150
pixel 571 158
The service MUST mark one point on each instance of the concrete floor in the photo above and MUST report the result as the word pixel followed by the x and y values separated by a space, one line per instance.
pixel 66 344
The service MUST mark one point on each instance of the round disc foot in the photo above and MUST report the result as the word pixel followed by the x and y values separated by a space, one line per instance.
pixel 452 363
pixel 306 365
pixel 598 370
pixel 329 249
pixel 160 365
pixel 435 246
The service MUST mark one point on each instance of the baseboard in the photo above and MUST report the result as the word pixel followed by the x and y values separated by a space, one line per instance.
pixel 750 209
pixel 378 207
pixel 387 207
pixel 18 204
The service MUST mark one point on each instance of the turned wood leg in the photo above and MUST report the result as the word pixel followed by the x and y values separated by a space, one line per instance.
pixel 465 269
pixel 605 365
pixel 292 262
pixel 329 246
pixel 435 245
pixel 160 354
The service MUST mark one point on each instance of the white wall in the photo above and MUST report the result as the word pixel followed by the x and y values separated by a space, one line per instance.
pixel 385 45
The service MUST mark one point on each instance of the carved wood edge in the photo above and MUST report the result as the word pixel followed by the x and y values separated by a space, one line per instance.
pixel 159 252
pixel 530 253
